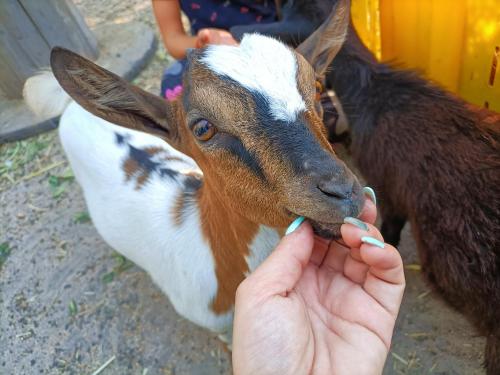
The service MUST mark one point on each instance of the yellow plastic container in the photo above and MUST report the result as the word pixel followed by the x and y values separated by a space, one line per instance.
pixel 453 42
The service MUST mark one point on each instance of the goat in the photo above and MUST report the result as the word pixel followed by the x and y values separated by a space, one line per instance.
pixel 197 191
pixel 434 161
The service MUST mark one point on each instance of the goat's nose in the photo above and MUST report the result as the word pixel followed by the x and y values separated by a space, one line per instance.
pixel 334 189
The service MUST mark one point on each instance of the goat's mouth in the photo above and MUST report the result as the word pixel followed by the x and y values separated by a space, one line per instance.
pixel 326 230
pixel 327 216
pixel 321 228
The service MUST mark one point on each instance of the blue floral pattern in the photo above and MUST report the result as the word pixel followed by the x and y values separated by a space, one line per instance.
pixel 220 14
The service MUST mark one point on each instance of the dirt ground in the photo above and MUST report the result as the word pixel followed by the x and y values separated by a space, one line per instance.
pixel 69 304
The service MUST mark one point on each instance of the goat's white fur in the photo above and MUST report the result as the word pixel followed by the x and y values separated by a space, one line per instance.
pixel 139 223
pixel 263 65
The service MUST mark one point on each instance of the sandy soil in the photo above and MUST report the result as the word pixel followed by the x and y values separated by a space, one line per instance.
pixel 68 303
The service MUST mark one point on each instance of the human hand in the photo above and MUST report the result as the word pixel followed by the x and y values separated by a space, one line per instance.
pixel 214 36
pixel 319 307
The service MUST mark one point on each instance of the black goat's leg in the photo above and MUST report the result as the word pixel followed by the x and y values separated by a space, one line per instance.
pixel 492 354
pixel 392 225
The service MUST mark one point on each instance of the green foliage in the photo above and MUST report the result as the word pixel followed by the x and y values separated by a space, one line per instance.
pixel 73 309
pixel 82 217
pixel 58 184
pixel 20 158
pixel 4 253
pixel 121 265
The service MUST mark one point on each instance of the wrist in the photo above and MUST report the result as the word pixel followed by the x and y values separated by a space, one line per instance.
pixel 178 44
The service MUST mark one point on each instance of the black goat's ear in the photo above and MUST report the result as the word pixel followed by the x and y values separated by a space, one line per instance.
pixel 111 98
pixel 323 45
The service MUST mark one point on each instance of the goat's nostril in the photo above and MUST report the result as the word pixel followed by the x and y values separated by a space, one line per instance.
pixel 333 191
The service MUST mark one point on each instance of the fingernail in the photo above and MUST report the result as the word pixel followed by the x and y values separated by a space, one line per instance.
pixel 372 241
pixel 295 224
pixel 356 222
pixel 370 193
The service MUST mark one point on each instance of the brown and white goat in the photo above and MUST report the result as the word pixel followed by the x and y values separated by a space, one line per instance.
pixel 245 154
pixel 434 161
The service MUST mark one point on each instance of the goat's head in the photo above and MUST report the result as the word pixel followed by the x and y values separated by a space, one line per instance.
pixel 248 116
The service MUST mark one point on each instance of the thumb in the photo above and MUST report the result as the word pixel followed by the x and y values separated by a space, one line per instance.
pixel 203 38
pixel 281 271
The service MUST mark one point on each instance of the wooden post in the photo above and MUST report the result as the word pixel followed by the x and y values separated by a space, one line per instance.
pixel 28 30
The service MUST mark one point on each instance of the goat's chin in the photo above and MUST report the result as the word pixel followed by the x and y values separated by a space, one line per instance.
pixel 328 231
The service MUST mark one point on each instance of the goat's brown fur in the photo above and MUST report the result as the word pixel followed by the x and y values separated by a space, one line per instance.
pixel 230 246
pixel 258 170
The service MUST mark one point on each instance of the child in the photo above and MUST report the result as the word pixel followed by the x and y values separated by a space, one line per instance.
pixel 210 20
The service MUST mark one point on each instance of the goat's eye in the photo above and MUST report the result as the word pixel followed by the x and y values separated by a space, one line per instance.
pixel 204 130
pixel 319 90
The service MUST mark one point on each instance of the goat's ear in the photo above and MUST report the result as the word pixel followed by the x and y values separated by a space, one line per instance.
pixel 111 98
pixel 321 47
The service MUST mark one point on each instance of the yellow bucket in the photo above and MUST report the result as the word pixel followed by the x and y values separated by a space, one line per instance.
pixel 453 42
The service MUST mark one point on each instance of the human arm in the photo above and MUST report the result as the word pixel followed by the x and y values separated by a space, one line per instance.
pixel 175 38
pixel 318 307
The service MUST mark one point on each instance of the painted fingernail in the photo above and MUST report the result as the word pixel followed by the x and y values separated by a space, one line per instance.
pixel 372 241
pixel 295 224
pixel 356 222
pixel 370 193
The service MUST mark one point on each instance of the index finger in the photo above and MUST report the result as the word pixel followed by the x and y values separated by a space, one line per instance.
pixel 369 212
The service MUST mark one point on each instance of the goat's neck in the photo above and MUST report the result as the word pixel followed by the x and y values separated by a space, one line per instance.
pixel 201 216
pixel 230 236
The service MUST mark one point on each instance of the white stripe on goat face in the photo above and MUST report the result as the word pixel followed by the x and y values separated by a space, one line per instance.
pixel 262 65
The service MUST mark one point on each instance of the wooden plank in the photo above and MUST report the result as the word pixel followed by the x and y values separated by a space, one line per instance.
pixel 29 29
pixel 18 122
pixel 125 49
pixel 60 23
pixel 481 47
pixel 22 50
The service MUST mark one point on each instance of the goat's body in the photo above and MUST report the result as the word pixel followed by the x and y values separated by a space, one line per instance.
pixel 138 222
pixel 260 145
pixel 443 177
pixel 130 181
pixel 435 162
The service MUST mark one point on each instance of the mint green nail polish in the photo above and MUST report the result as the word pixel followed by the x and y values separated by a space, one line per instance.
pixel 372 241
pixel 356 222
pixel 370 193
pixel 295 224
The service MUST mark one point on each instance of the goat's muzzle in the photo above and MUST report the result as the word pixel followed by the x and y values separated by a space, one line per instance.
pixel 329 193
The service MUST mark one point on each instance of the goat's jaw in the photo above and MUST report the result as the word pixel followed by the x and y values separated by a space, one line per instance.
pixel 329 228
pixel 326 230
